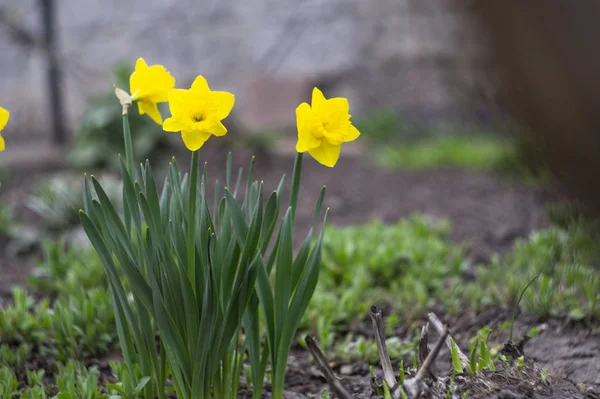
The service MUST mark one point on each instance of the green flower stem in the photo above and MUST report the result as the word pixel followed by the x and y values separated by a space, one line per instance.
pixel 191 248
pixel 128 145
pixel 296 175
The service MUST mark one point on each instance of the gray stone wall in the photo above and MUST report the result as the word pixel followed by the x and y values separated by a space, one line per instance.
pixel 413 55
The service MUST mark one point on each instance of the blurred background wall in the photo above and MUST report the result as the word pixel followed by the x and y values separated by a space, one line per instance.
pixel 421 58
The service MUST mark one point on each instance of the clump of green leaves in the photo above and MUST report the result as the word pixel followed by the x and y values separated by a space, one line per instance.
pixel 15 357
pixel 99 135
pixel 564 259
pixel 78 327
pixel 24 321
pixel 57 201
pixel 198 276
pixel 412 261
pixel 71 381
pixel 67 270
pixel 83 326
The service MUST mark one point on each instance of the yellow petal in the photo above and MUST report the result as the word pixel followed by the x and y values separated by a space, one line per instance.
pixel 305 123
pixel 2 145
pixel 171 125
pixel 179 102
pixel 4 115
pixel 326 154
pixel 219 129
pixel 151 109
pixel 224 102
pixel 353 134
pixel 318 99
pixel 140 64
pixel 193 140
pixel 200 84
pixel 160 84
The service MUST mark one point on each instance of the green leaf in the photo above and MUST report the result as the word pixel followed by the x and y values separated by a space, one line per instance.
pixel 238 181
pixel 456 364
pixel 113 221
pixel 265 296
pixel 141 384
pixel 228 171
pixel 237 217
pixel 485 358
pixel 283 274
pixel 301 259
pixel 130 198
pixel 319 205
pixel 170 333
pixel 473 358
pixel 269 221
pixel 249 179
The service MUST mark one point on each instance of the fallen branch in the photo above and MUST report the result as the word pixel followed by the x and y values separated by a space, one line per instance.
pixel 323 365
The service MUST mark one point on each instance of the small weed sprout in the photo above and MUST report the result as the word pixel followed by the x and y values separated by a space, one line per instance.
pixel 456 361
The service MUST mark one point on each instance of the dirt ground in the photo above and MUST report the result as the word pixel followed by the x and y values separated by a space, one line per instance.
pixel 487 213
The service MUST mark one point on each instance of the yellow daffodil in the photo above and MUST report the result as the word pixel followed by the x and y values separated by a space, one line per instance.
pixel 197 113
pixel 150 85
pixel 4 115
pixel 323 127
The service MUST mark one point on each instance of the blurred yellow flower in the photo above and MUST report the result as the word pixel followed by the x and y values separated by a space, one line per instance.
pixel 4 115
pixel 323 127
pixel 197 113
pixel 148 86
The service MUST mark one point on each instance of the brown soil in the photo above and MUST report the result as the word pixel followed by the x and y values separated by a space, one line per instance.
pixel 487 212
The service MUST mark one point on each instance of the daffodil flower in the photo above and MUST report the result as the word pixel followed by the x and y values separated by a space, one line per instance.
pixel 197 113
pixel 150 85
pixel 4 115
pixel 323 127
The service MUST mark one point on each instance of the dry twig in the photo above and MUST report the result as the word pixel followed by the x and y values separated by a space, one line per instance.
pixel 323 365
pixel 386 363
pixel 439 327
pixel 413 387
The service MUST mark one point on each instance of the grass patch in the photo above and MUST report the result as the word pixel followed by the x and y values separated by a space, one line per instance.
pixel 482 152
pixel 398 144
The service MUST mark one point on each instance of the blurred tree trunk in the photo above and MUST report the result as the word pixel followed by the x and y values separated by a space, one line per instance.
pixel 546 65
pixel 54 72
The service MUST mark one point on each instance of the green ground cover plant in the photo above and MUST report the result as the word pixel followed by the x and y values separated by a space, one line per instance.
pixel 564 252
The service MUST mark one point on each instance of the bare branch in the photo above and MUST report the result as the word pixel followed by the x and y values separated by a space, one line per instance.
pixel 413 387
pixel 323 365
pixel 19 33
pixel 439 327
